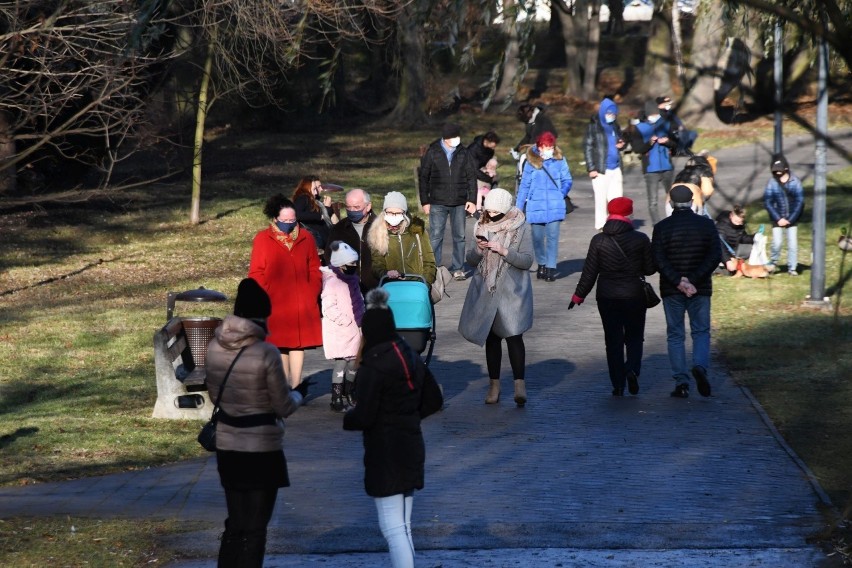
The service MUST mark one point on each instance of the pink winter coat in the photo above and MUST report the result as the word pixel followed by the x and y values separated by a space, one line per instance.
pixel 341 336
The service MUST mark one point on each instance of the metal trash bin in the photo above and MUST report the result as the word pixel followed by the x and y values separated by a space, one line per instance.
pixel 199 331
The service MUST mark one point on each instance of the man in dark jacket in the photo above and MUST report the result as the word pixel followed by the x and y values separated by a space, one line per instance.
pixel 352 230
pixel 481 151
pixel 536 122
pixel 448 189
pixel 784 200
pixel 687 250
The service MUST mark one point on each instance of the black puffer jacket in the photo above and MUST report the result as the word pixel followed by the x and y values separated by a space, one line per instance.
pixel 390 406
pixel 447 183
pixel 733 235
pixel 617 277
pixel 686 244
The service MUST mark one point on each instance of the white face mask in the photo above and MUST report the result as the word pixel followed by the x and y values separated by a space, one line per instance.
pixel 653 118
pixel 610 118
pixel 547 153
pixel 394 220
pixel 453 142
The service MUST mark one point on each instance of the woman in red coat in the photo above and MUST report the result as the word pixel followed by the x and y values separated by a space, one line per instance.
pixel 284 261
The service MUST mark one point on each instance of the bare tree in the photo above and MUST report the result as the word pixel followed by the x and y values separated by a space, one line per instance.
pixel 250 46
pixel 581 32
pixel 75 78
pixel 699 104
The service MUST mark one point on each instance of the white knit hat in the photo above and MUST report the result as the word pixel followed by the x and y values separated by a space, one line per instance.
pixel 395 200
pixel 341 254
pixel 498 200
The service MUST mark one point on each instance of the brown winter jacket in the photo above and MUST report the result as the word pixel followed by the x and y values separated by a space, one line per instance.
pixel 256 385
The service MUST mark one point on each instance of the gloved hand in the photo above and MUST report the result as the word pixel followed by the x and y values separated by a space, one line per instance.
pixel 575 301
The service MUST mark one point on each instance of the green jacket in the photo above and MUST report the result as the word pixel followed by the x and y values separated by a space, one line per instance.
pixel 408 251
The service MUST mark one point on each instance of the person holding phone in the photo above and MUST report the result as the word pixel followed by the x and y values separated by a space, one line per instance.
pixel 499 303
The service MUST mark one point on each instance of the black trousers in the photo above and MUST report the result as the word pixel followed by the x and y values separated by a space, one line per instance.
pixel 244 541
pixel 494 355
pixel 624 330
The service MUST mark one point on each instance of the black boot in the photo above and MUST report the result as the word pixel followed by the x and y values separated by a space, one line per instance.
pixel 550 275
pixel 337 403
pixel 541 272
pixel 349 393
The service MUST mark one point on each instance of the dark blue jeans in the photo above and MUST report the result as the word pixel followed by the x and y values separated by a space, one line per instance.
pixel 624 330
pixel 437 224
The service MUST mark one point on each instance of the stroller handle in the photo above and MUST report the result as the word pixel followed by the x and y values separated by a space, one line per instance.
pixel 409 277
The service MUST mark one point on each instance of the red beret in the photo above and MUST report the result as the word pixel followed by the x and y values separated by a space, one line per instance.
pixel 620 206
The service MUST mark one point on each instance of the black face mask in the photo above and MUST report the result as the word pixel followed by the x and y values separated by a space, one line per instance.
pixel 349 269
pixel 496 218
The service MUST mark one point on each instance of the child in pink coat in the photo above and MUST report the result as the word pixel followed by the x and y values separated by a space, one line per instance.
pixel 342 310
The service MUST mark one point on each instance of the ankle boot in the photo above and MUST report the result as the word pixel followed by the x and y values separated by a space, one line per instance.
pixel 542 270
pixel 550 274
pixel 520 392
pixel 349 393
pixel 337 404
pixel 493 396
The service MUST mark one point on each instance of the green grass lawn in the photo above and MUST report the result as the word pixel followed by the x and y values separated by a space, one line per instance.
pixel 83 288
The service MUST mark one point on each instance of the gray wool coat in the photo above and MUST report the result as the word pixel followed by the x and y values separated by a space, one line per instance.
pixel 509 310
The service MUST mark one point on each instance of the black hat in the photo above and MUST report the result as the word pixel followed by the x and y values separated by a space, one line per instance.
pixel 651 108
pixel 378 325
pixel 450 130
pixel 663 100
pixel 680 194
pixel 252 301
pixel 779 164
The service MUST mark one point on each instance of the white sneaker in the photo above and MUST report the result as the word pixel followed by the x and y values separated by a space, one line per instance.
pixel 459 275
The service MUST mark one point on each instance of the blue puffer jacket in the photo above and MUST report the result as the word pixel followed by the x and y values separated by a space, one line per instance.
pixel 541 198
pixel 784 200
pixel 658 156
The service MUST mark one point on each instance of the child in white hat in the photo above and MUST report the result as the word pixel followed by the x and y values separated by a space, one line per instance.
pixel 342 310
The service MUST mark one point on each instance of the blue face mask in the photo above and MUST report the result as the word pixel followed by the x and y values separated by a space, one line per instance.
pixel 286 227
pixel 355 216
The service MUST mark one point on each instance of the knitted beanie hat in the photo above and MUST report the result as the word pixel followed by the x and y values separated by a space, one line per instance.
pixel 498 199
pixel 341 254
pixel 378 325
pixel 620 206
pixel 252 301
pixel 450 130
pixel 395 200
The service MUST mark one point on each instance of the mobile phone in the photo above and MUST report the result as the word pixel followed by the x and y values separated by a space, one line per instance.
pixel 481 238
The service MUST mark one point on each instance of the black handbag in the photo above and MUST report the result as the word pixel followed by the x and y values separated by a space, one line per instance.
pixel 207 436
pixel 651 298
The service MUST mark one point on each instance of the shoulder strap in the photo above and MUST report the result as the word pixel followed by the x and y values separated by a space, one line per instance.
pixel 621 250
pixel 550 176
pixel 404 365
pixel 225 380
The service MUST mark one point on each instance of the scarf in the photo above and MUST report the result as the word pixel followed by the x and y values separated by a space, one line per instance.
pixel 286 239
pixel 352 281
pixel 505 231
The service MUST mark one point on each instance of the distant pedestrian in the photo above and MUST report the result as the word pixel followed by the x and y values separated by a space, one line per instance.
pixel 395 392
pixel 536 122
pixel 482 150
pixel 545 183
pixel 342 310
pixel 353 230
pixel 652 142
pixel 245 370
pixel 448 190
pixel 617 258
pixel 499 301
pixel 784 200
pixel 736 240
pixel 683 138
pixel 686 251
pixel 602 146
pixel 398 242
pixel 312 209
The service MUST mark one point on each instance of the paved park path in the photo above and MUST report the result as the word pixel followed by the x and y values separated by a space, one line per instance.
pixel 576 478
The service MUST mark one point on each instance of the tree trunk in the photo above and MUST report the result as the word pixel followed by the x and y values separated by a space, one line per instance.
pixel 699 105
pixel 572 32
pixel 198 142
pixel 592 48
pixel 8 176
pixel 657 68
pixel 508 75
pixel 409 109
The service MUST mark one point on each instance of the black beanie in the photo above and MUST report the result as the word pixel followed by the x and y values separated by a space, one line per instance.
pixel 378 325
pixel 252 301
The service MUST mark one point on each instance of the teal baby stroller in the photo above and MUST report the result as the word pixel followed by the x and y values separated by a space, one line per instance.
pixel 413 312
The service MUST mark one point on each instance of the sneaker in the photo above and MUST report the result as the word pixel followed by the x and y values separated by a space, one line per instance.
pixel 701 380
pixel 681 391
pixel 632 383
pixel 459 275
pixel 769 267
pixel 793 273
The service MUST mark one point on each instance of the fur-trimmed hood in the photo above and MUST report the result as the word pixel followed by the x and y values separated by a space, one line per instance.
pixel 377 235
pixel 535 159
